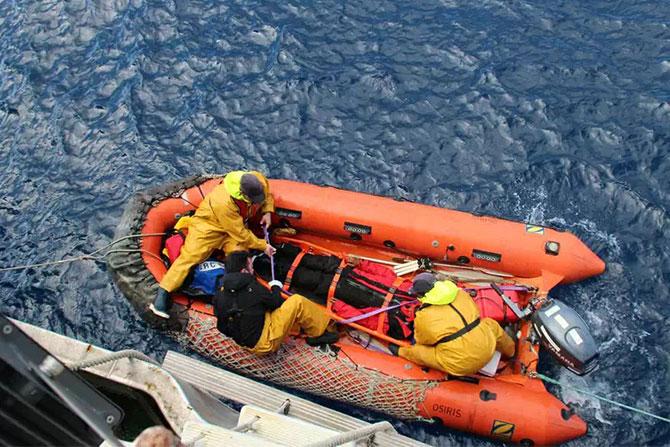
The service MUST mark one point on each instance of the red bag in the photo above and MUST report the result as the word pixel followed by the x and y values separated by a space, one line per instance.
pixel 492 306
pixel 173 246
pixel 379 274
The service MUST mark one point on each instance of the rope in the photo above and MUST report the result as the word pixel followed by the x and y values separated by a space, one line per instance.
pixel 589 393
pixel 90 256
pixel 376 311
pixel 125 354
pixel 247 425
pixel 354 435
pixel 272 258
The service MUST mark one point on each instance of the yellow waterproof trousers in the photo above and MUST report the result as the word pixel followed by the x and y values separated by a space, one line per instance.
pixel 296 311
pixel 202 239
pixel 217 223
pixel 466 354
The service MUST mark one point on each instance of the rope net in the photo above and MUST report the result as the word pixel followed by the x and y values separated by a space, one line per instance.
pixel 296 365
pixel 300 366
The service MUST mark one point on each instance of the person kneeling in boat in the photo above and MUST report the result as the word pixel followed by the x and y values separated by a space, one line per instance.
pixel 260 320
pixel 449 334
pixel 220 222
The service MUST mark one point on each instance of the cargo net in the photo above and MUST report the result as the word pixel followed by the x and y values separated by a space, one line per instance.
pixel 300 366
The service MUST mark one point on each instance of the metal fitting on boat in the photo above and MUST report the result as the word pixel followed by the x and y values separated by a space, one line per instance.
pixel 51 367
pixel 552 248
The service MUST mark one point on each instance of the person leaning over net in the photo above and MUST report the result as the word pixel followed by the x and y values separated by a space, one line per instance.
pixel 220 222
pixel 260 320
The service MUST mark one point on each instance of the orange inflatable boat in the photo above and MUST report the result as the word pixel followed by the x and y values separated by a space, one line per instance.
pixel 475 251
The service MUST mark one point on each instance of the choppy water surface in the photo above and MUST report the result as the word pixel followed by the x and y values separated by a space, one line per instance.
pixel 551 112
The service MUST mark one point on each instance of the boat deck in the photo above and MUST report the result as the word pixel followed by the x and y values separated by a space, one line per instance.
pixel 183 389
pixel 249 392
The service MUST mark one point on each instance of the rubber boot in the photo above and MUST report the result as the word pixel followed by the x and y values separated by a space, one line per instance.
pixel 393 349
pixel 326 338
pixel 511 330
pixel 162 303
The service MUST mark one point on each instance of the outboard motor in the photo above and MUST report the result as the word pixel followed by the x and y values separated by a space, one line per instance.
pixel 566 336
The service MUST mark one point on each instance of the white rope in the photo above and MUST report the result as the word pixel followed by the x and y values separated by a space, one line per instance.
pixel 354 435
pixel 604 399
pixel 125 354
pixel 91 256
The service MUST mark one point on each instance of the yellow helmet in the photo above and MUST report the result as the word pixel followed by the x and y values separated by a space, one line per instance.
pixel 442 293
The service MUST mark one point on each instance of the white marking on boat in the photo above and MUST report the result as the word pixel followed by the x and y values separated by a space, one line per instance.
pixel 560 320
pixel 575 336
pixel 552 310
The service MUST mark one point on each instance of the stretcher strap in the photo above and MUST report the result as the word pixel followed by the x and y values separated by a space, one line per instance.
pixel 311 246
pixel 387 299
pixel 294 265
pixel 377 311
pixel 376 285
pixel 333 284
pixel 510 288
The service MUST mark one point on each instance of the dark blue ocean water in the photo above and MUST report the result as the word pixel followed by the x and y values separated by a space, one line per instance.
pixel 555 112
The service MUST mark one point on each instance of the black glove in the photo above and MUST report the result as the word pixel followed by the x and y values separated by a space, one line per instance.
pixel 425 264
pixel 275 286
pixel 394 348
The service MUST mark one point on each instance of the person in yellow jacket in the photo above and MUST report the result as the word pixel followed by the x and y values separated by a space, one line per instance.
pixel 449 334
pixel 220 222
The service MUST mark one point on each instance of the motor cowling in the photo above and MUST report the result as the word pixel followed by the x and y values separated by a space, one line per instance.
pixel 566 336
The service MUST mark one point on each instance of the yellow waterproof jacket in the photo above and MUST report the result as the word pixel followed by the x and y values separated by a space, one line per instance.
pixel 463 355
pixel 218 223
pixel 219 211
pixel 438 321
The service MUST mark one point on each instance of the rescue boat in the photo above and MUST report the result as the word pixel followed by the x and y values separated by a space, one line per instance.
pixel 479 252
